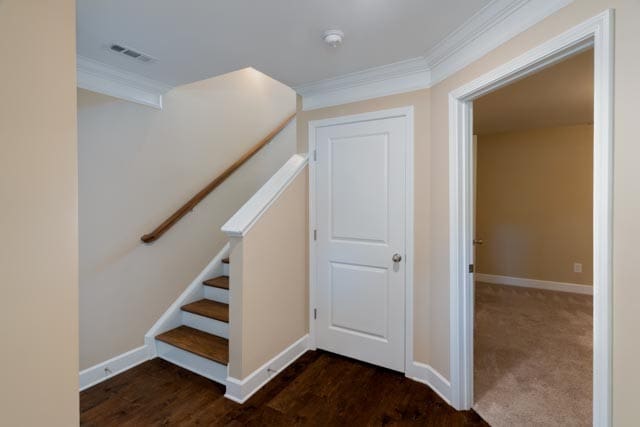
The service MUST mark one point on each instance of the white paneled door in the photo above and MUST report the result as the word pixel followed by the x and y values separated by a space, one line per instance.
pixel 360 248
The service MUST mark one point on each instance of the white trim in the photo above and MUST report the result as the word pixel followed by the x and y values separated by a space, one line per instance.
pixel 461 225
pixel 106 79
pixel 118 364
pixel 495 24
pixel 534 283
pixel 404 76
pixel 355 118
pixel 597 31
pixel 312 126
pixel 409 239
pixel 241 390
pixel 242 221
pixel 172 317
pixel 217 294
pixel 409 215
pixel 490 27
pixel 206 324
pixel 192 362
pixel 425 374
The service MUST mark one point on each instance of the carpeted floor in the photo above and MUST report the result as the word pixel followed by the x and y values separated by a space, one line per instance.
pixel 532 356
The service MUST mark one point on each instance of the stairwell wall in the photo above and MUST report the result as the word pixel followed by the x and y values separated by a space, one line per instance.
pixel 269 293
pixel 137 165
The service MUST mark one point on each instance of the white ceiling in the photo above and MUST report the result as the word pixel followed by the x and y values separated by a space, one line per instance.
pixel 561 95
pixel 198 39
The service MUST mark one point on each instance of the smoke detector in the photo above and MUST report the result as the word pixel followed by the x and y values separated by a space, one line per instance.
pixel 333 37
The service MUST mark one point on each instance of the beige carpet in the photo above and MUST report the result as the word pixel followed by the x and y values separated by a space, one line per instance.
pixel 533 356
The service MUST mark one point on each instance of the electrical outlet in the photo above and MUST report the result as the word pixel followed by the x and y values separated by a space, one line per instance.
pixel 577 267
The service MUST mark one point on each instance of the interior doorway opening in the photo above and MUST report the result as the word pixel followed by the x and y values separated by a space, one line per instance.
pixel 596 33
pixel 533 248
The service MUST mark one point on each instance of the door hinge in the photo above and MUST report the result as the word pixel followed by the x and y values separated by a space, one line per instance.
pixel 470 268
pixel 315 313
pixel 315 234
pixel 315 156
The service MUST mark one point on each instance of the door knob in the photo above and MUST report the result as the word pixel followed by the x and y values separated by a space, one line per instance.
pixel 478 241
pixel 396 257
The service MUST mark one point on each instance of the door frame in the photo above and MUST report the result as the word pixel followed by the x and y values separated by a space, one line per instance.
pixel 407 113
pixel 596 32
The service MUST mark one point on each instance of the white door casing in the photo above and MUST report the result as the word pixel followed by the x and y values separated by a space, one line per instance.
pixel 360 202
pixel 596 32
pixel 474 231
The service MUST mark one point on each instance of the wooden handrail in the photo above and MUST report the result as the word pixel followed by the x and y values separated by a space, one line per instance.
pixel 188 207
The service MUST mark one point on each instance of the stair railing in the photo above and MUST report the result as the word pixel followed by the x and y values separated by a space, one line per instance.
pixel 188 207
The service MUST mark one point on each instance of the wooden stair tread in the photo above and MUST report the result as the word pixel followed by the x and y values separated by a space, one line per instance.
pixel 221 282
pixel 197 342
pixel 209 308
pixel 225 260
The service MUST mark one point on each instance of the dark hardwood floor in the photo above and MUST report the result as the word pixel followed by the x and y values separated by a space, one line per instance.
pixel 320 389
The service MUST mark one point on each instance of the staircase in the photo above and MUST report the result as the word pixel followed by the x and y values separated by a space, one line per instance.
pixel 194 331
pixel 201 342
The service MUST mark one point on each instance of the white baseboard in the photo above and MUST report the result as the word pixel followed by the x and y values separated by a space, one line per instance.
pixel 536 284
pixel 425 374
pixel 102 371
pixel 241 390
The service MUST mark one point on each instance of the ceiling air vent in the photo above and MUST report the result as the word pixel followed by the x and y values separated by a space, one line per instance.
pixel 131 53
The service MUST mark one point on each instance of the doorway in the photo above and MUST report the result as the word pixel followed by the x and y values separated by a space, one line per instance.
pixel 533 260
pixel 595 33
pixel 361 216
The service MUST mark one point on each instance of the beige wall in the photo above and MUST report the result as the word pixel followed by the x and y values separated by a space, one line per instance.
pixel 137 165
pixel 534 204
pixel 38 223
pixel 432 202
pixel 269 302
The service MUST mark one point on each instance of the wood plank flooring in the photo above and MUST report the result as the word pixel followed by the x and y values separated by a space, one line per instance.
pixel 319 389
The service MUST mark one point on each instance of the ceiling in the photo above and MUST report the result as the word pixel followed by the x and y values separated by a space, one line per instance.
pixel 197 39
pixel 560 95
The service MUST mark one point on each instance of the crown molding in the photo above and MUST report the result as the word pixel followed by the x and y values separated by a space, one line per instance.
pixel 102 78
pixel 490 27
pixel 404 76
pixel 495 24
pixel 480 22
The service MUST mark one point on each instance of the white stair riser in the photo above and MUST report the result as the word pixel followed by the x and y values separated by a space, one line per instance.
pixel 201 366
pixel 225 269
pixel 216 294
pixel 206 324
